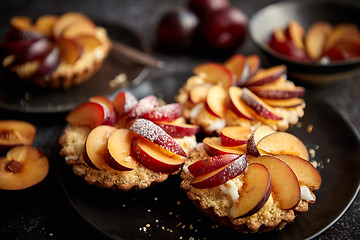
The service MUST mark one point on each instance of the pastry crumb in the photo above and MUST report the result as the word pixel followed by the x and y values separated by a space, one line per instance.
pixel 309 128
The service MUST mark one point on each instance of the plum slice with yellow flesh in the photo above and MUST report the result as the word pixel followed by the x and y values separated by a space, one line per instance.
pixel 123 102
pixel 178 130
pixel 95 146
pixel 255 191
pixel 70 50
pixel 282 143
pixel 304 170
pixel 16 132
pixel 256 136
pixel 168 112
pixel 154 157
pixel 253 62
pixel 315 39
pixel 284 183
pixel 284 103
pixel 23 167
pixel 215 102
pixel 259 106
pixel 232 136
pixel 142 107
pixel 157 135
pixel 109 109
pixel 214 147
pixel 221 175
pixel 89 114
pixel 215 73
pixel 210 164
pixel 239 66
pixel 266 75
pixel 238 106
pixel 119 150
pixel 295 32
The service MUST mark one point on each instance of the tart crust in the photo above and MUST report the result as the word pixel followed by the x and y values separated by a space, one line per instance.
pixel 72 149
pixel 217 205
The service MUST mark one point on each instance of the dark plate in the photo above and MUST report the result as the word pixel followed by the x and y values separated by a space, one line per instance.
pixel 164 212
pixel 13 90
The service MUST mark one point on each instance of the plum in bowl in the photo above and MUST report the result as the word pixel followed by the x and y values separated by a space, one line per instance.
pixel 306 13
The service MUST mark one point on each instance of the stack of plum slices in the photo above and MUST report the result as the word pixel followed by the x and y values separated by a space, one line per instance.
pixel 126 135
pixel 239 92
pixel 253 178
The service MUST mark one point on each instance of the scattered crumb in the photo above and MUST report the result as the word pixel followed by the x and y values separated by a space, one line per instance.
pixel 316 147
pixel 327 160
pixel 119 79
pixel 309 128
pixel 27 96
pixel 155 198
pixel 312 152
pixel 299 124
pixel 314 163
pixel 170 213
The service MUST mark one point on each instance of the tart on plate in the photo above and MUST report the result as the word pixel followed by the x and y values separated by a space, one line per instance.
pixel 259 184
pixel 55 51
pixel 240 93
pixel 125 143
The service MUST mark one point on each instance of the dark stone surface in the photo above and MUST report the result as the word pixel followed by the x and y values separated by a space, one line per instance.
pixel 31 214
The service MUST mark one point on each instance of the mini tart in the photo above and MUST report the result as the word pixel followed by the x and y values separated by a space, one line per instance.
pixel 69 75
pixel 198 113
pixel 218 202
pixel 72 149
pixel 130 170
pixel 65 74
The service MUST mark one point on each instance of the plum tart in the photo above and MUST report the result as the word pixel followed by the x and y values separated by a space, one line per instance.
pixel 255 182
pixel 126 143
pixel 55 51
pixel 240 93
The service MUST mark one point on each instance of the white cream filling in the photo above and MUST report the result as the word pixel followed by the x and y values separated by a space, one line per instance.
pixel 306 194
pixel 217 124
pixel 229 188
pixel 195 111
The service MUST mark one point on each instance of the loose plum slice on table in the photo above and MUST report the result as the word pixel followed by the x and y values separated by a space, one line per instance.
pixel 22 167
pixel 16 132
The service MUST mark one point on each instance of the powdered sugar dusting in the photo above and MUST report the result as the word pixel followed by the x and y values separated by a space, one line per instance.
pixel 165 113
pixel 156 134
pixel 130 102
pixel 145 105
